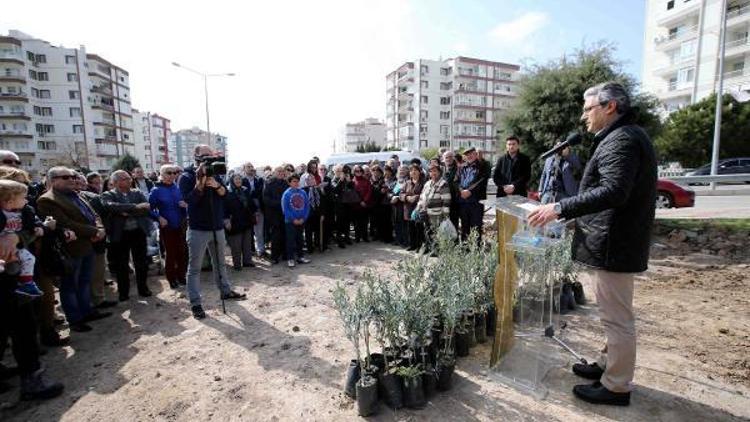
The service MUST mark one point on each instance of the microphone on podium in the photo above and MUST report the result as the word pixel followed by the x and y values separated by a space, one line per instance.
pixel 574 138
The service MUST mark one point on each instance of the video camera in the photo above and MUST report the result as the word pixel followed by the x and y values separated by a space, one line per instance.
pixel 213 166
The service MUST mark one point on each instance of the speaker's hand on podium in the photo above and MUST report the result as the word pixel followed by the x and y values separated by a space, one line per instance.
pixel 543 215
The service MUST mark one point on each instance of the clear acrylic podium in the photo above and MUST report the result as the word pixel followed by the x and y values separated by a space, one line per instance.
pixel 527 286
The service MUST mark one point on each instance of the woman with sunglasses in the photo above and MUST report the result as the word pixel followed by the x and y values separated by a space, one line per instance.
pixel 170 212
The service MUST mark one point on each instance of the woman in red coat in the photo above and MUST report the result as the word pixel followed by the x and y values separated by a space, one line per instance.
pixel 364 189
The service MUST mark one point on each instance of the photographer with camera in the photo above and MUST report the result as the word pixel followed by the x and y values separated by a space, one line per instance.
pixel 201 188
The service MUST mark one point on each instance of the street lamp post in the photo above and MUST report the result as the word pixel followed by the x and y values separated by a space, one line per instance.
pixel 205 77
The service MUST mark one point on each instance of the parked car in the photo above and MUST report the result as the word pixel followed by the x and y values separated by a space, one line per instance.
pixel 726 166
pixel 668 195
pixel 671 195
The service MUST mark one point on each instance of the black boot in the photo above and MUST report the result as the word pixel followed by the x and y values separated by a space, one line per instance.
pixel 35 387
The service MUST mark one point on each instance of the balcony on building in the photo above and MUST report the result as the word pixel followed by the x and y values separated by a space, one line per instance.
pixel 673 40
pixel 676 11
pixel 107 150
pixel 14 96
pixel 739 76
pixel 672 65
pixel 11 56
pixel 738 13
pixel 675 89
pixel 14 73
pixel 739 45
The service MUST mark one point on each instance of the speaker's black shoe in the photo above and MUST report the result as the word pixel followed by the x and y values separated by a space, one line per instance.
pixel 596 393
pixel 591 371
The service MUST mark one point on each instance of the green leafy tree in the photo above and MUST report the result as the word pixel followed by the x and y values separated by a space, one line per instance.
pixel 368 146
pixel 428 153
pixel 688 133
pixel 551 98
pixel 126 162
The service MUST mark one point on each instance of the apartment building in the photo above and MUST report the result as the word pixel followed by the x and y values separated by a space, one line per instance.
pixel 62 106
pixel 453 103
pixel 354 135
pixel 152 133
pixel 681 50
pixel 182 144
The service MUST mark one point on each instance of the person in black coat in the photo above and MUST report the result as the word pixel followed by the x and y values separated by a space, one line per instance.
pixel 272 193
pixel 255 184
pixel 512 170
pixel 472 184
pixel 239 219
pixel 614 215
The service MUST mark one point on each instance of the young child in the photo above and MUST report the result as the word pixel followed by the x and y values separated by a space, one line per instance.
pixel 13 220
pixel 296 207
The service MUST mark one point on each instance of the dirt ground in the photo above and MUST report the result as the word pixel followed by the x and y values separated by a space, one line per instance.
pixel 281 355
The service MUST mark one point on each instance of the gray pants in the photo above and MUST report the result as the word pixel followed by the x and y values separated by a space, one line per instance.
pixel 241 245
pixel 198 241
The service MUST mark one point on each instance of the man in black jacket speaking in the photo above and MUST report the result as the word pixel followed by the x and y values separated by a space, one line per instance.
pixel 614 212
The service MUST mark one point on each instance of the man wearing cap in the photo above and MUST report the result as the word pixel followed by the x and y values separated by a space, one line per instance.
pixel 472 185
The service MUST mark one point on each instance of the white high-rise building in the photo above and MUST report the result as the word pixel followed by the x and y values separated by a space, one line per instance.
pixel 152 133
pixel 358 134
pixel 62 106
pixel 681 50
pixel 449 103
pixel 182 144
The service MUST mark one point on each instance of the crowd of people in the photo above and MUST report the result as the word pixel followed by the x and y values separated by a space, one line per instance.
pixel 60 237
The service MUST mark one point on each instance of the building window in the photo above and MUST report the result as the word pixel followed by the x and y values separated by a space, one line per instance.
pixel 122 79
pixel 424 70
pixel 424 84
pixel 444 115
pixel 670 5
pixel 77 128
pixel 50 145
pixel 30 56
pixel 444 130
pixel 423 99
pixel 423 115
pixel 75 112
pixel 42 111
pixel 42 76
pixel 72 77
pixel 445 86
pixel 44 93
pixel 40 58
pixel 445 71
pixel 445 100
pixel 32 74
pixel 70 59
pixel 74 95
pixel 41 129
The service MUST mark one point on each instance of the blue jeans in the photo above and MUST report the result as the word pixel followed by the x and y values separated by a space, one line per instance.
pixel 293 240
pixel 75 289
pixel 198 241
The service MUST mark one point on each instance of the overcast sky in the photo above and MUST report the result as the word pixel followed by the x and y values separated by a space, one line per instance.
pixel 304 68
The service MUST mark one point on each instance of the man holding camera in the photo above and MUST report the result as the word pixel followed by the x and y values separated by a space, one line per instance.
pixel 201 188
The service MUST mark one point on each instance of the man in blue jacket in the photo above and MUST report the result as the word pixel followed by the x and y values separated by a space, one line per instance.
pixel 296 207
pixel 204 197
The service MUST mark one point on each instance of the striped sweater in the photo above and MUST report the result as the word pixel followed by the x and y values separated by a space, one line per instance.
pixel 435 198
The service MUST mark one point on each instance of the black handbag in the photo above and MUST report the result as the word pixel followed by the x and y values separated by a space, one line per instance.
pixel 57 260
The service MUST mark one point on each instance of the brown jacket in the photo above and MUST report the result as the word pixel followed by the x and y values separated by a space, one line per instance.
pixel 69 216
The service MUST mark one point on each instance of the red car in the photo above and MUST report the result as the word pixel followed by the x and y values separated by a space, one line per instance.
pixel 668 195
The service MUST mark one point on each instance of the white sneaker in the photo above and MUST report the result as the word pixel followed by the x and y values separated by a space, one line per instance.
pixel 303 260
pixel 290 263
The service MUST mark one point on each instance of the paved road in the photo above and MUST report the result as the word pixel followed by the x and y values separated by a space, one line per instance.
pixel 735 206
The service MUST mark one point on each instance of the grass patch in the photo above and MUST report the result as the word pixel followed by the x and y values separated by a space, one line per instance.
pixel 729 224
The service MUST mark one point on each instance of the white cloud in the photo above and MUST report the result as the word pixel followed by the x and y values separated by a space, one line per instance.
pixel 518 29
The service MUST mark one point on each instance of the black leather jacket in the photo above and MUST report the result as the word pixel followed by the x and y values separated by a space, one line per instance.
pixel 614 208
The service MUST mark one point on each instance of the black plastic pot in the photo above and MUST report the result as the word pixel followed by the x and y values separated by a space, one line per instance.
pixel 413 392
pixel 491 321
pixel 470 329
pixel 445 375
pixel 367 396
pixel 480 327
pixel 377 359
pixel 462 343
pixel 429 382
pixel 352 376
pixel 389 387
